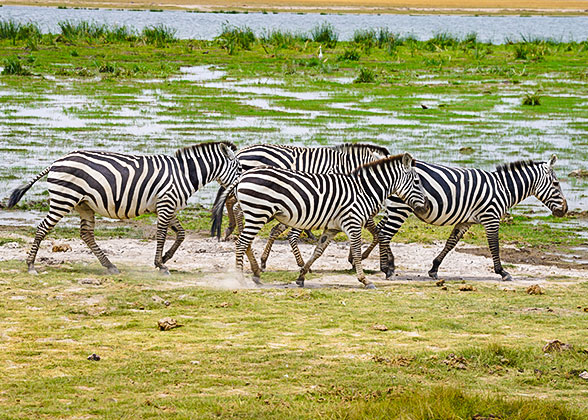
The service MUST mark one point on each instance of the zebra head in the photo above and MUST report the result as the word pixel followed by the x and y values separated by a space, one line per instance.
pixel 230 169
pixel 409 187
pixel 548 190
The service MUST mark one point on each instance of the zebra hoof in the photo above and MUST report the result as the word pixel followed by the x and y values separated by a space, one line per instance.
pixel 262 266
pixel 163 271
pixel 370 286
pixel 389 273
pixel 256 280
pixel 300 282
pixel 506 276
pixel 113 270
pixel 33 271
pixel 433 275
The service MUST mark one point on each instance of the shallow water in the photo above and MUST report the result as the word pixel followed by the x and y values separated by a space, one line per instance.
pixel 59 123
pixel 495 29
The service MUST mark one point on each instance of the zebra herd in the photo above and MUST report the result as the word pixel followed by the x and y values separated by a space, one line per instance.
pixel 340 188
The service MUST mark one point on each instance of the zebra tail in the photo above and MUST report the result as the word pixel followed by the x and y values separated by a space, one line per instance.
pixel 217 209
pixel 18 193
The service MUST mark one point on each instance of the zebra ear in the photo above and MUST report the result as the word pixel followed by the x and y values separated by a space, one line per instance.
pixel 552 160
pixel 408 160
pixel 226 150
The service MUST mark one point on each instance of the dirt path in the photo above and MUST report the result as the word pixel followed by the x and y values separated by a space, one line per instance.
pixel 214 262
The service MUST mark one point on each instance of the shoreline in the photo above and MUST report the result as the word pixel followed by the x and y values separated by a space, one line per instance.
pixel 377 7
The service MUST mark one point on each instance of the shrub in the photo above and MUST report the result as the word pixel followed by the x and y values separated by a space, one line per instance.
pixel 365 76
pixel 14 67
pixel 325 34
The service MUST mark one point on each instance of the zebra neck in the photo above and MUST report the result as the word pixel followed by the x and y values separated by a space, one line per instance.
pixel 372 184
pixel 517 187
pixel 197 173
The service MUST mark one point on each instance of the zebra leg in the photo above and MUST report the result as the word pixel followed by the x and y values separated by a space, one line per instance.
pixel 456 234
pixel 371 227
pixel 354 234
pixel 87 222
pixel 491 228
pixel 164 216
pixel 277 230
pixel 323 242
pixel 293 240
pixel 230 204
pixel 46 225
pixel 180 236
pixel 386 257
pixel 244 246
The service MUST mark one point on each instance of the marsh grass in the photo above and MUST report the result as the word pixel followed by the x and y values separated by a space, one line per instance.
pixel 325 34
pixel 14 31
pixel 233 38
pixel 532 99
pixel 13 67
pixel 365 75
pixel 159 35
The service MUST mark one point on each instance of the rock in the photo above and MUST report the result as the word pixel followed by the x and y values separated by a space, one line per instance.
pixel 556 346
pixel 584 375
pixel 61 248
pixel 380 327
pixel 467 288
pixel 90 281
pixel 166 324
pixel 94 357
pixel 579 173
pixel 535 289
pixel 224 305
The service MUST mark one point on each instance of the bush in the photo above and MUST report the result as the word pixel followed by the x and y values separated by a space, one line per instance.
pixel 365 76
pixel 325 34
pixel 13 67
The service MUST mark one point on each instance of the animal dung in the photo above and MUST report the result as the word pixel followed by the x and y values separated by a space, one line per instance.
pixel 94 357
pixel 61 248
pixel 166 324
pixel 535 289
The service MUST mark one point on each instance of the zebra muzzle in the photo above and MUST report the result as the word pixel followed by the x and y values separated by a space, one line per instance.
pixel 561 212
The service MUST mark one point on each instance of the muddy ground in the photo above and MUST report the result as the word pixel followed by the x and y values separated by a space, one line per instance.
pixel 213 262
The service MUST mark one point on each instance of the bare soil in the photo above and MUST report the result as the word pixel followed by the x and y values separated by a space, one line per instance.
pixel 337 6
pixel 213 262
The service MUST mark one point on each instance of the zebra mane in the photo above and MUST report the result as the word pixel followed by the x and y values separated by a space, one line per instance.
pixel 346 147
pixel 519 164
pixel 187 149
pixel 378 162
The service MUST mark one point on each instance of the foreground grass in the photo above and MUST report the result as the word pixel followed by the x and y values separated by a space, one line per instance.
pixel 276 353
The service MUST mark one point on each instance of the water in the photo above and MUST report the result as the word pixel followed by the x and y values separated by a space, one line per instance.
pixel 189 25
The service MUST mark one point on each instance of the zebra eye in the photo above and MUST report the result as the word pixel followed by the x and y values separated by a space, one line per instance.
pixel 556 183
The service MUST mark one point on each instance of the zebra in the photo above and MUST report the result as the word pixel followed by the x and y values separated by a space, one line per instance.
pixel 121 186
pixel 343 158
pixel 464 197
pixel 333 202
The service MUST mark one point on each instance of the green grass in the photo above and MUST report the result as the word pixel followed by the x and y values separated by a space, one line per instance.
pixel 283 353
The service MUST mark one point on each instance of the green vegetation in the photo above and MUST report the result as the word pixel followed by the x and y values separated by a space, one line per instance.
pixel 284 353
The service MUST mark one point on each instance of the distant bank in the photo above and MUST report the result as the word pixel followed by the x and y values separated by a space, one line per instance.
pixel 484 7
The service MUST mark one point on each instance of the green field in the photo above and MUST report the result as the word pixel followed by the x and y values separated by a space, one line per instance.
pixel 274 352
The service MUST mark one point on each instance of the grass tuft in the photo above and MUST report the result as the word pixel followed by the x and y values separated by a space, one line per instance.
pixel 14 67
pixel 365 75
pixel 233 38
pixel 325 34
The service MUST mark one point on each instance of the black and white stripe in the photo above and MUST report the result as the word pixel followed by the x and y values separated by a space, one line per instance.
pixel 333 202
pixel 123 186
pixel 464 197
pixel 343 158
